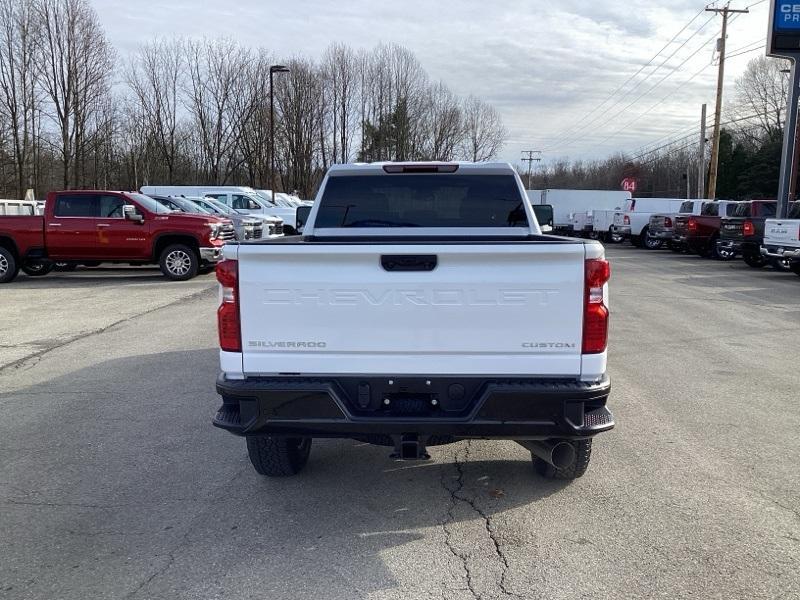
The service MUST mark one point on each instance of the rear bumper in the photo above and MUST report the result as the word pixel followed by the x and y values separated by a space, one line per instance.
pixel 780 252
pixel 461 407
pixel 621 229
pixel 661 234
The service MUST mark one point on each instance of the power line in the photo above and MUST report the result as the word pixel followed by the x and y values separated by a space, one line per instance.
pixel 643 94
pixel 747 51
pixel 576 126
pixel 530 160
pixel 571 139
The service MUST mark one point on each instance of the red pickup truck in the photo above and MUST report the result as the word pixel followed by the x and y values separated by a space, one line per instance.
pixel 89 227
pixel 699 234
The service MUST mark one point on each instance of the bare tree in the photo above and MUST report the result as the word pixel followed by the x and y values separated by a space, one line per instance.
pixel 297 99
pixel 444 127
pixel 155 75
pixel 761 91
pixel 219 103
pixel 75 62
pixel 18 85
pixel 340 70
pixel 484 131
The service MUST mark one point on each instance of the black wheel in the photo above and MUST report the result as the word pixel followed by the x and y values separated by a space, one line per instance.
pixel 8 266
pixel 781 264
pixel 795 268
pixel 615 238
pixel 721 253
pixel 65 266
pixel 754 260
pixel 583 452
pixel 37 268
pixel 278 456
pixel 650 242
pixel 289 230
pixel 179 262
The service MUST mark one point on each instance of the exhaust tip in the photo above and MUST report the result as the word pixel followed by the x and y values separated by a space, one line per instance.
pixel 563 455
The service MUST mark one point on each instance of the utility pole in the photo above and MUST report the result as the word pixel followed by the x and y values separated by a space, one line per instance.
pixel 712 176
pixel 701 156
pixel 530 160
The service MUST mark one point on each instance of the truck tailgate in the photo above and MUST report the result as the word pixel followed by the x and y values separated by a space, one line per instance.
pixel 781 231
pixel 486 308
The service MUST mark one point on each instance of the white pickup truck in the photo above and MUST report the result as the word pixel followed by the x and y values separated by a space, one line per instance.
pixel 421 306
pixel 782 238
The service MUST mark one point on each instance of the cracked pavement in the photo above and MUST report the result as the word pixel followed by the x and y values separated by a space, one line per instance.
pixel 114 485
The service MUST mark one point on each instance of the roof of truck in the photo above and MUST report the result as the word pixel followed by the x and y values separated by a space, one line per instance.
pixel 460 166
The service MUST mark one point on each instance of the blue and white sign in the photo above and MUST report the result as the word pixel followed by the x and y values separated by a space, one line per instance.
pixel 787 15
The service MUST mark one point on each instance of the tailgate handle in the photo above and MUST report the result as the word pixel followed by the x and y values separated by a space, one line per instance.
pixel 409 262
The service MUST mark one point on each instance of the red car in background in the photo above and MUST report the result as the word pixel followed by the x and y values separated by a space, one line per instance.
pixel 89 227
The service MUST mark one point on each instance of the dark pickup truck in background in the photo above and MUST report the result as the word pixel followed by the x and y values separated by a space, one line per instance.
pixel 699 233
pixel 743 233
pixel 88 227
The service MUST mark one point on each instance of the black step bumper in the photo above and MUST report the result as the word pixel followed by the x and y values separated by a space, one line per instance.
pixel 456 407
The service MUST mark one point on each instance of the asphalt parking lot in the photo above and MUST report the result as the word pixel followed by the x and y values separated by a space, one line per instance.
pixel 113 484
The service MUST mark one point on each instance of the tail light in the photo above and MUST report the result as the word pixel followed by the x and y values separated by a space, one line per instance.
pixel 230 331
pixel 626 220
pixel 597 272
pixel 691 225
pixel 749 229
pixel 667 222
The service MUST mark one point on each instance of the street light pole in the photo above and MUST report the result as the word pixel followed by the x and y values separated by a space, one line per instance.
pixel 272 70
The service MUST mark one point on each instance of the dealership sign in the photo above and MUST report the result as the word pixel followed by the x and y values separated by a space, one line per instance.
pixel 783 37
pixel 629 184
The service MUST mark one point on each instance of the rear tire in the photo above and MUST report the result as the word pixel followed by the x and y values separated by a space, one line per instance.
pixel 8 266
pixel 721 253
pixel 651 243
pixel 179 262
pixel 37 268
pixel 795 268
pixel 583 452
pixel 278 456
pixel 756 261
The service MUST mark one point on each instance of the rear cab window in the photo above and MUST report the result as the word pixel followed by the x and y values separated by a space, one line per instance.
pixel 742 209
pixel 767 209
pixel 687 207
pixel 76 205
pixel 421 200
pixel 710 209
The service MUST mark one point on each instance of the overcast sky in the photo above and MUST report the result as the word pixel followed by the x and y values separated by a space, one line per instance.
pixel 543 64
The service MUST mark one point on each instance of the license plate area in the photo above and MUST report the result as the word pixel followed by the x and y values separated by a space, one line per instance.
pixel 410 396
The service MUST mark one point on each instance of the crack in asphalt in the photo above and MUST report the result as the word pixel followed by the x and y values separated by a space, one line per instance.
pixel 456 496
pixel 30 361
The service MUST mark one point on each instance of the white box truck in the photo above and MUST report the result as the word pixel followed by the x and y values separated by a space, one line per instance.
pixel 566 203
